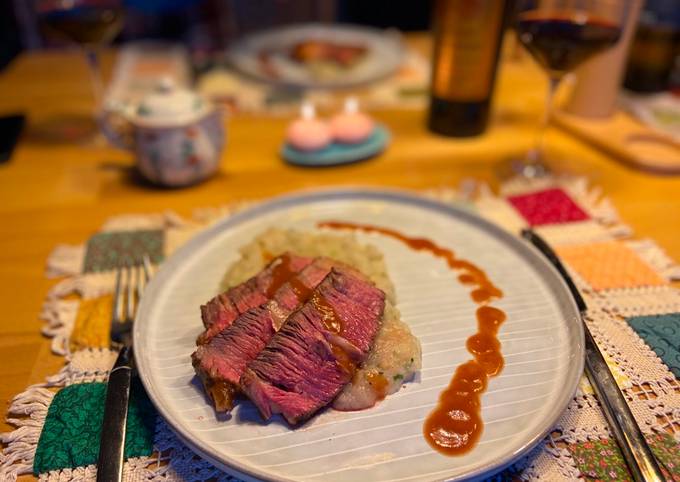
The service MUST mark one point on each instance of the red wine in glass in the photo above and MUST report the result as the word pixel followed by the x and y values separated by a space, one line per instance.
pixel 561 42
pixel 92 24
pixel 561 35
pixel 85 24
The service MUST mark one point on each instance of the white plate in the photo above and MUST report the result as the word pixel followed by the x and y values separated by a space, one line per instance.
pixel 542 342
pixel 383 56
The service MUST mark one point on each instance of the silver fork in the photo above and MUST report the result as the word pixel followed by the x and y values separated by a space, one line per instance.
pixel 130 284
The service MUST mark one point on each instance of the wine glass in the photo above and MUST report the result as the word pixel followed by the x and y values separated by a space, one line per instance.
pixel 91 24
pixel 561 35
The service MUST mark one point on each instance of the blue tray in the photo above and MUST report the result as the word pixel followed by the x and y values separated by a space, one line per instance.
pixel 337 154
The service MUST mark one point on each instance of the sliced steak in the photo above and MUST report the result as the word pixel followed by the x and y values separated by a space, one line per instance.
pixel 317 350
pixel 221 361
pixel 223 309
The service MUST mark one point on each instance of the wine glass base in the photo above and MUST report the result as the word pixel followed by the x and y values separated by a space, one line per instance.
pixel 530 170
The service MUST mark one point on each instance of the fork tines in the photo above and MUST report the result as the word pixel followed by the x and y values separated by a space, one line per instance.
pixel 130 283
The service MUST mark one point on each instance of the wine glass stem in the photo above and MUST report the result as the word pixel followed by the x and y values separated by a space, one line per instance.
pixel 94 65
pixel 538 153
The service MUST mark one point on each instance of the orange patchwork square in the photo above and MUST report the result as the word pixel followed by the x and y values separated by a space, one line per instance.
pixel 609 265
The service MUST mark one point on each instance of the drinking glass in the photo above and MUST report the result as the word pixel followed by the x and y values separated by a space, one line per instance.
pixel 91 24
pixel 561 35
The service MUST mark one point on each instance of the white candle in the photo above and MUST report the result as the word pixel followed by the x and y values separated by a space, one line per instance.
pixel 307 133
pixel 351 126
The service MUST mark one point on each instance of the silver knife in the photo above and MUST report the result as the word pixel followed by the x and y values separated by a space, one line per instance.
pixel 636 452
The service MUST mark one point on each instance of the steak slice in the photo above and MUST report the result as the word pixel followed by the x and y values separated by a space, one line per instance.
pixel 223 309
pixel 220 362
pixel 317 350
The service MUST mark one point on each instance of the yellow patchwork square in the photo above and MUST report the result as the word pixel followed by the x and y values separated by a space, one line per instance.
pixel 93 323
pixel 609 265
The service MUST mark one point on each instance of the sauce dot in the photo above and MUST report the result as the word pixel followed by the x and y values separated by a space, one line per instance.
pixel 343 360
pixel 455 425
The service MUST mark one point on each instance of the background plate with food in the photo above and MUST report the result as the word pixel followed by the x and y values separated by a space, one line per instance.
pixel 318 55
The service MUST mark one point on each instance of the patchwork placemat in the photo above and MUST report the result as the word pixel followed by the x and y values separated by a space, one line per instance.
pixel 634 316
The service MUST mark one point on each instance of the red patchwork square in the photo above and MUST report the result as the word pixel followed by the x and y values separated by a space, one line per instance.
pixel 552 206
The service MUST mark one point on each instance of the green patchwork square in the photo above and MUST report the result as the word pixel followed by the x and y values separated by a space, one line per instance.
pixel 662 334
pixel 667 451
pixel 602 459
pixel 70 436
pixel 108 251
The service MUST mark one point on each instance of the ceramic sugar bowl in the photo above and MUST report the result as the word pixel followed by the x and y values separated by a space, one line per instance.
pixel 177 135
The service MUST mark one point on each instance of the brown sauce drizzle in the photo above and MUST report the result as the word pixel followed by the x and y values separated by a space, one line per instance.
pixel 455 425
pixel 343 360
pixel 379 383
pixel 330 318
pixel 223 394
pixel 301 290
pixel 281 274
pixel 484 290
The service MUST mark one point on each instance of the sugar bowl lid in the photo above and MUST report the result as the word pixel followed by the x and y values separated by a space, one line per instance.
pixel 169 105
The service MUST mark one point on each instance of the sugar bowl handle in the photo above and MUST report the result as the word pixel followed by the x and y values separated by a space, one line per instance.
pixel 116 127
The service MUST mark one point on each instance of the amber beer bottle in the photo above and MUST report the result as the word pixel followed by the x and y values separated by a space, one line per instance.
pixel 467 39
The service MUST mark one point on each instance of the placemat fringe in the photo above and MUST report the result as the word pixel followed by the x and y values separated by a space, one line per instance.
pixel 20 444
pixel 65 260
pixel 89 285
pixel 656 257
pixel 59 316
pixel 140 221
pixel 210 215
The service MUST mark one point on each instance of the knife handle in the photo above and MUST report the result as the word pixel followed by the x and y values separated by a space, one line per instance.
pixel 112 443
pixel 634 448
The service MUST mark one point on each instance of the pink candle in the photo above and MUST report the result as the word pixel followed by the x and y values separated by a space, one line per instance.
pixel 351 126
pixel 308 133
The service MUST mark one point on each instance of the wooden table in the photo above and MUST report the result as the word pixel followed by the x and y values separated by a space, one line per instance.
pixel 55 191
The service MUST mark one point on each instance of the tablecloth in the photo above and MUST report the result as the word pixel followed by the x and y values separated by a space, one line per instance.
pixel 634 314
